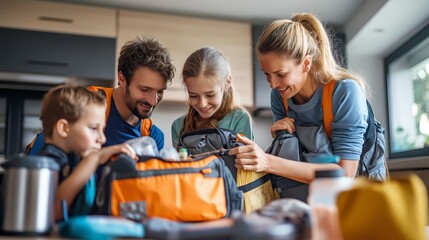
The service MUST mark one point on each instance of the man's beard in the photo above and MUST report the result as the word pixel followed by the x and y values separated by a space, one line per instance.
pixel 134 109
pixel 140 114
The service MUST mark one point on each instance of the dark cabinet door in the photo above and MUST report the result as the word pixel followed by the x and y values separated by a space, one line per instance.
pixel 57 54
pixel 19 119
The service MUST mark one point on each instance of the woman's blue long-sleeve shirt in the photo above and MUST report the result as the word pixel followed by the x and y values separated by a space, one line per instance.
pixel 349 110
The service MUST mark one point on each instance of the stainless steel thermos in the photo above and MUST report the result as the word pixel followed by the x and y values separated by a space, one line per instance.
pixel 29 185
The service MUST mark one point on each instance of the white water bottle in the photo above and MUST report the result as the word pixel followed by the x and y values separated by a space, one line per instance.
pixel 323 190
pixel 322 198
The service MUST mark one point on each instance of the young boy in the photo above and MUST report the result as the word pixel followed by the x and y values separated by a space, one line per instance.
pixel 73 120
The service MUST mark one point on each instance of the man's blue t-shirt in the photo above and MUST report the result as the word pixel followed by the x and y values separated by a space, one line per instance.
pixel 123 131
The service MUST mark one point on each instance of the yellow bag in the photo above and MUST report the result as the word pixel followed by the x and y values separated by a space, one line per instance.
pixel 257 189
pixel 394 209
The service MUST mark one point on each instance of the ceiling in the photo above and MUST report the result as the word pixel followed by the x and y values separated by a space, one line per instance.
pixel 372 27
pixel 255 11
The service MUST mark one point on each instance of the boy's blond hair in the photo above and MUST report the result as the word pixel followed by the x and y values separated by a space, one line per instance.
pixel 66 102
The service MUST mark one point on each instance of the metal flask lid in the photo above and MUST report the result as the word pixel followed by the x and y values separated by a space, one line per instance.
pixel 31 162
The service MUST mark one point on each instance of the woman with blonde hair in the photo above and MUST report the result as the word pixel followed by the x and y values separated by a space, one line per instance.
pixel 297 60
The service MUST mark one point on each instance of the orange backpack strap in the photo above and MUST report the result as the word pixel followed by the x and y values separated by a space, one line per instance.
pixel 328 115
pixel 285 105
pixel 146 126
pixel 30 146
pixel 107 93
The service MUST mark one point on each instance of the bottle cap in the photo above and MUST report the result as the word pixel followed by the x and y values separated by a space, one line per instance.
pixel 331 173
pixel 322 158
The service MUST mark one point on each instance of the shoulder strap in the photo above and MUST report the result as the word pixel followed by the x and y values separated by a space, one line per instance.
pixel 285 105
pixel 146 126
pixel 30 146
pixel 328 115
pixel 108 92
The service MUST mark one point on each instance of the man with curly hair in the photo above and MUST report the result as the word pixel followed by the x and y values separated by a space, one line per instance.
pixel 144 71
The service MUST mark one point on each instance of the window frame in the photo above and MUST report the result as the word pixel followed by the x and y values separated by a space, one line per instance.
pixel 408 46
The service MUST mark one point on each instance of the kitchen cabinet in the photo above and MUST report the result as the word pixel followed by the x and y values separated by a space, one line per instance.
pixel 183 35
pixel 19 119
pixel 58 17
pixel 48 53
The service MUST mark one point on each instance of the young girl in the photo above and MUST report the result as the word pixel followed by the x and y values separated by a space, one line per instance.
pixel 212 100
pixel 207 77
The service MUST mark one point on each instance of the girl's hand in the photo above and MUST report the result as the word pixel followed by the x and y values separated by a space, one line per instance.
pixel 107 153
pixel 249 157
pixel 286 123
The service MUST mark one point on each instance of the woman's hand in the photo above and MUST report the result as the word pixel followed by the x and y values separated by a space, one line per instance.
pixel 283 124
pixel 249 157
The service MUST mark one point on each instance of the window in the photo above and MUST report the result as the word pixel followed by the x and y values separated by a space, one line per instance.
pixel 407 81
pixel 31 124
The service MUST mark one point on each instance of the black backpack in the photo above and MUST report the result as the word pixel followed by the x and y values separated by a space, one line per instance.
pixel 210 141
pixel 372 161
pixel 306 144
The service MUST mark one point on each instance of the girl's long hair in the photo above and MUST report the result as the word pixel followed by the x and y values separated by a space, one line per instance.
pixel 211 64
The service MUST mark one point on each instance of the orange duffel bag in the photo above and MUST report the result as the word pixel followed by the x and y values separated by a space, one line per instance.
pixel 189 191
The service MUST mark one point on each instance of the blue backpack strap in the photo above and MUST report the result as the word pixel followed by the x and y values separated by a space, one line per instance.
pixel 370 134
